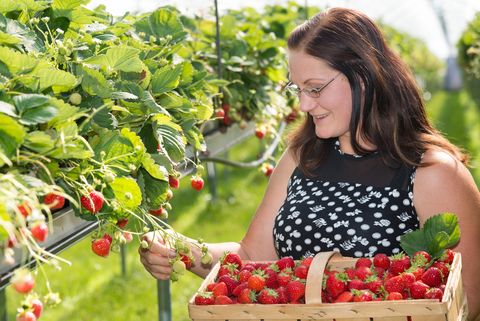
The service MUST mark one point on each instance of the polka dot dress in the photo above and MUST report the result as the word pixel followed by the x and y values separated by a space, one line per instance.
pixel 355 205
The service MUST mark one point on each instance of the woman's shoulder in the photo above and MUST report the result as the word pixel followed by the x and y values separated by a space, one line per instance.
pixel 441 171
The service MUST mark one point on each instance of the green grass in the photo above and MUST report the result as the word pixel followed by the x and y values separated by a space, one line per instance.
pixel 94 289
pixel 457 116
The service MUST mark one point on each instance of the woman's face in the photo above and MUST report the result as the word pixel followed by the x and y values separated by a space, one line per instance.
pixel 331 111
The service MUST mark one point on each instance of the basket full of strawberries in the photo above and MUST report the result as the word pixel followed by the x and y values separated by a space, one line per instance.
pixel 421 284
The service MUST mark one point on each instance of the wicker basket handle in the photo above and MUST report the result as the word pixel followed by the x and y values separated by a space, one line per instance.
pixel 313 288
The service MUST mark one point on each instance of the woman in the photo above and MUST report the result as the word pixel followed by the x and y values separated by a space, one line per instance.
pixel 364 168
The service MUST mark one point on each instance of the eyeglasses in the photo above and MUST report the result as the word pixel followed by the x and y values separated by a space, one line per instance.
pixel 313 92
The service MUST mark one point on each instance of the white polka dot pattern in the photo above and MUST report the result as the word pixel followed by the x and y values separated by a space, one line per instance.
pixel 358 220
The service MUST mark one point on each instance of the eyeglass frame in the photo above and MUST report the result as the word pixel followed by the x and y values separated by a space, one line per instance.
pixel 309 90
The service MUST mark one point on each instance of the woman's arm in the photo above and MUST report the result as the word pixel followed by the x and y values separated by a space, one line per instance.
pixel 257 243
pixel 447 186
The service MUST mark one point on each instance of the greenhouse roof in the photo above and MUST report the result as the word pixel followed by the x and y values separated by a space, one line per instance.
pixel 439 23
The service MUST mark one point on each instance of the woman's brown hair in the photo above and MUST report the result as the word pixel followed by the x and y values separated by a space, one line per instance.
pixel 386 101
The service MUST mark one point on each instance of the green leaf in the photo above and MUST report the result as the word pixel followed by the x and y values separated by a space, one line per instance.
pixel 152 105
pixel 413 241
pixel 123 95
pixel 155 170
pixel 195 138
pixel 105 119
pixel 119 150
pixel 204 112
pixel 65 112
pixel 6 39
pixel 27 101
pixel 154 190
pixel 439 232
pixel 170 137
pixel 446 223
pixel 166 79
pixel 187 74
pixel 39 141
pixel 94 83
pixel 12 135
pixel 127 192
pixel 8 109
pixel 16 62
pixel 38 115
pixel 25 5
pixel 122 58
pixel 59 80
pixel 161 23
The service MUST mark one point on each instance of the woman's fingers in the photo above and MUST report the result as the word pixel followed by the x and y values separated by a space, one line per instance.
pixel 156 258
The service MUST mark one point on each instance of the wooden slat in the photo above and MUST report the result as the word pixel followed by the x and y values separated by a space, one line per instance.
pixel 429 318
pixel 390 319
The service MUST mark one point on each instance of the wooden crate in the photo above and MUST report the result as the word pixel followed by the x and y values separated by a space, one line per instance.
pixel 452 308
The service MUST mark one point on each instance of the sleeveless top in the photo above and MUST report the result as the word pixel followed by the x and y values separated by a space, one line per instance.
pixel 355 205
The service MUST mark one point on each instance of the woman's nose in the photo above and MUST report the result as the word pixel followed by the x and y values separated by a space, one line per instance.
pixel 307 103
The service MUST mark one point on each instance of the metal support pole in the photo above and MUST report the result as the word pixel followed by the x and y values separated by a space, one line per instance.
pixel 164 300
pixel 306 9
pixel 212 180
pixel 3 305
pixel 123 259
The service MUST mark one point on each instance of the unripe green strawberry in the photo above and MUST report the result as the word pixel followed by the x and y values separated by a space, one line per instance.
pixel 206 258
pixel 75 99
pixel 179 267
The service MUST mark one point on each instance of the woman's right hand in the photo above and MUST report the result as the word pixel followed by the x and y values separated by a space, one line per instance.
pixel 156 257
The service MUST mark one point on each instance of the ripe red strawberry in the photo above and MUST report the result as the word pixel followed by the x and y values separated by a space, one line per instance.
pixel 301 272
pixel 93 202
pixel 374 284
pixel 122 222
pixel 247 296
pixel 381 260
pixel 220 113
pixel 444 269
pixel 26 316
pixel 23 281
pixel 232 258
pixel 54 201
pixel 210 287
pixel 222 299
pixel 421 258
pixel 204 298
pixel 239 288
pixel 356 284
pixel 285 262
pixel 243 275
pixel 434 293
pixel 268 296
pixel 346 296
pixel 271 280
pixel 408 278
pixel 363 261
pixel 220 289
pixel 39 231
pixel 37 307
pixel 197 183
pixel 248 266
pixel 417 271
pixel 336 284
pixel 256 282
pixel 173 181
pixel 418 290
pixel 187 260
pixel 157 212
pixel 267 169
pixel 260 132
pixel 394 284
pixel 24 209
pixel 447 256
pixel 399 263
pixel 283 278
pixel 432 277
pixel 307 261
pixel 230 281
pixel 282 295
pixel 362 296
pixel 350 273
pixel 363 272
pixel 101 247
pixel 394 296
pixel 295 291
